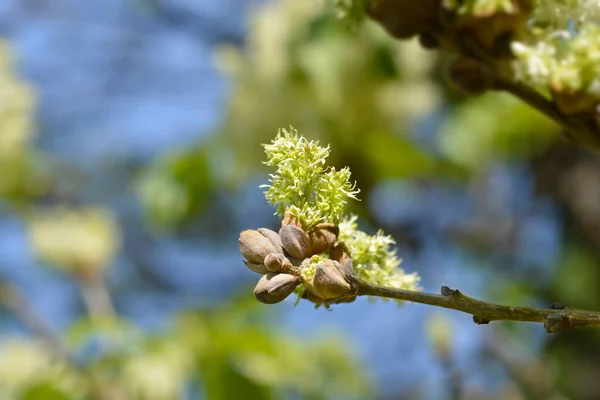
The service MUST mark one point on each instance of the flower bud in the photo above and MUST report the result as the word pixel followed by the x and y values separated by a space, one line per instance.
pixel 329 281
pixel 322 237
pixel 404 18
pixel 282 284
pixel 489 27
pixel 276 261
pixel 340 253
pixel 254 246
pixel 261 291
pixel 295 241
pixel 258 268
pixel 273 238
pixel 290 219
pixel 469 76
pixel 347 268
pixel 310 296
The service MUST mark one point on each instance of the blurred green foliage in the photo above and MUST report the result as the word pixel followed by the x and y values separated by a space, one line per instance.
pixel 231 351
pixel 370 98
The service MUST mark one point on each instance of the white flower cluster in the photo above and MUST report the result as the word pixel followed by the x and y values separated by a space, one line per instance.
pixel 561 48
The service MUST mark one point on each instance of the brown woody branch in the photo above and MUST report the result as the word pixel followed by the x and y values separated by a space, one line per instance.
pixel 555 318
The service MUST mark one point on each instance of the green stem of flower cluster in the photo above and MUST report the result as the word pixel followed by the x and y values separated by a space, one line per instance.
pixel 555 319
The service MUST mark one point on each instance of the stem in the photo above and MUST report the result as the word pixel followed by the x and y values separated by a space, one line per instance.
pixel 555 319
pixel 536 100
pixel 97 299
pixel 578 130
pixel 12 298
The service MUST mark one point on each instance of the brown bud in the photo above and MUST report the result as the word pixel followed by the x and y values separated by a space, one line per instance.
pixel 428 41
pixel 258 268
pixel 322 237
pixel 254 246
pixel 490 26
pixel 310 296
pixel 329 282
pixel 347 268
pixel 273 238
pixel 340 253
pixel 404 18
pixel 290 219
pixel 469 76
pixel 281 284
pixel 276 261
pixel 261 291
pixel 295 241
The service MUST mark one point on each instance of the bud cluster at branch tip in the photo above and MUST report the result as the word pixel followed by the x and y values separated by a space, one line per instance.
pixel 291 257
pixel 311 254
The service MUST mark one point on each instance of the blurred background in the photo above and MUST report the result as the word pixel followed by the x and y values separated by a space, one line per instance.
pixel 130 160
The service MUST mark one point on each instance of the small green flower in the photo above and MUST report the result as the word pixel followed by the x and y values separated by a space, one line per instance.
pixel 309 272
pixel 375 257
pixel 303 185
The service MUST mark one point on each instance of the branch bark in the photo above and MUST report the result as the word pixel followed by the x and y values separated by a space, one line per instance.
pixel 555 319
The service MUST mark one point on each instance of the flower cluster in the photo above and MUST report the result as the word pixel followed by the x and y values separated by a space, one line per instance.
pixel 562 54
pixel 302 185
pixel 318 252
pixel 375 257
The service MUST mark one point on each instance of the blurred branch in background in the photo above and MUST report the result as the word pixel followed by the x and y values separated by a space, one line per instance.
pixel 12 298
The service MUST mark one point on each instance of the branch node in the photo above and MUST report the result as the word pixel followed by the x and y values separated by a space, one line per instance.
pixel 480 320
pixel 446 291
pixel 557 306
pixel 556 322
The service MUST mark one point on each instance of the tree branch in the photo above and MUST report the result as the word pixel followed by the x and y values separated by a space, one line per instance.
pixel 12 298
pixel 555 319
pixel 577 129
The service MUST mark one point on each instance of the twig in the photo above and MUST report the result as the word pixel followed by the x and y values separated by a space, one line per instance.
pixel 96 298
pixel 578 130
pixel 555 319
pixel 11 298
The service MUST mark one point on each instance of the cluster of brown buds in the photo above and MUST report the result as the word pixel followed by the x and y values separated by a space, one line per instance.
pixel 294 256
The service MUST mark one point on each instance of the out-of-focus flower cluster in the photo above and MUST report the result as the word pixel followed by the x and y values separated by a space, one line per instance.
pixel 309 255
pixel 17 100
pixel 27 363
pixel 553 46
pixel 561 54
pixel 81 241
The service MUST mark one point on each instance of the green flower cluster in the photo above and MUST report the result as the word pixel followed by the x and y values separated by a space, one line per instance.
pixel 302 185
pixel 304 188
pixel 374 257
